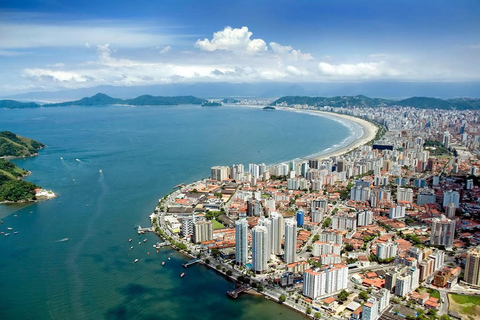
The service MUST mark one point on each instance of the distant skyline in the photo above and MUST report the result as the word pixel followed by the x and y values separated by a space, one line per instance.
pixel 55 45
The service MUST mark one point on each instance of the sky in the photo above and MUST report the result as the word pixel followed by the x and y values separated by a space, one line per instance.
pixel 52 45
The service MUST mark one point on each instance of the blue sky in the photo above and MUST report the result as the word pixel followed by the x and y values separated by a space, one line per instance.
pixel 53 45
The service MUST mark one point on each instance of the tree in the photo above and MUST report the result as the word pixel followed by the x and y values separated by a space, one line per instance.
pixel 309 310
pixel 327 223
pixel 363 295
pixel 349 247
pixel 229 272
pixel 260 288
pixel 282 298
pixel 317 315
pixel 343 295
pixel 207 261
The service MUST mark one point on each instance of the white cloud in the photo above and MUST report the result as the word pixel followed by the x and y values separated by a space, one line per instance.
pixel 289 53
pixel 236 40
pixel 87 33
pixel 46 75
pixel 56 65
pixel 165 50
pixel 364 70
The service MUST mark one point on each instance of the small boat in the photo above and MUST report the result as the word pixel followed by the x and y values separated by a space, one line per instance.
pixel 100 171
pixel 1 221
pixel 78 160
pixel 130 240
pixel 135 261
pixel 6 234
pixel 9 229
pixel 144 240
pixel 139 242
pixel 148 253
pixel 61 158
pixel 2 232
pixel 183 274
pixel 64 239
pixel 16 232
pixel 168 258
pixel 131 248
pixel 163 263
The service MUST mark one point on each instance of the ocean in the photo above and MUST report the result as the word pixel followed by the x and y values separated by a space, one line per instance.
pixel 143 152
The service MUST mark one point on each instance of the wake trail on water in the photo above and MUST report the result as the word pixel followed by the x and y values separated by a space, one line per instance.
pixel 77 296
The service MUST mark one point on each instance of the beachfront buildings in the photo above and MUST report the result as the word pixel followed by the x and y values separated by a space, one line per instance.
pixel 202 231
pixel 290 241
pixel 472 267
pixel 321 282
pixel 260 249
pixel 276 234
pixel 241 241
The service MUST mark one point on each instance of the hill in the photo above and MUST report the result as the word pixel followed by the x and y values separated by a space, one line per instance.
pixel 12 104
pixel 101 99
pixel 367 102
pixel 11 187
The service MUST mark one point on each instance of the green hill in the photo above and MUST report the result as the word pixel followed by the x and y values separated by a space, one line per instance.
pixel 12 104
pixel 101 99
pixel 12 145
pixel 11 187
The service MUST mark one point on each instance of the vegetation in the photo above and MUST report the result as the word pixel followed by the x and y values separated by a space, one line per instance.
pixel 327 223
pixel 217 225
pixel 309 310
pixel 12 145
pixel 466 305
pixel 12 104
pixel 363 295
pixel 282 298
pixel 367 102
pixel 101 99
pixel 343 295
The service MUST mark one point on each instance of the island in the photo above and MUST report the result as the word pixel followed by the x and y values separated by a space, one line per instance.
pixel 12 187
pixel 211 104
pixel 268 108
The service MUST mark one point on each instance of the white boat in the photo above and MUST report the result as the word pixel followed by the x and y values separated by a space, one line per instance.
pixel 135 261
pixel 100 171
pixel 61 158
pixel 64 239
pixel 9 229
pixel 144 240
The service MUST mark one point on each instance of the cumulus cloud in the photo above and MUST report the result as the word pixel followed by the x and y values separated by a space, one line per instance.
pixel 233 39
pixel 55 75
pixel 289 53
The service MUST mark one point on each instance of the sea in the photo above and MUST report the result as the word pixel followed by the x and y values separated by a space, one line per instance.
pixel 109 166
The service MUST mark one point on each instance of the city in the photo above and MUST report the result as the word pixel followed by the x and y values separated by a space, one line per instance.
pixel 386 231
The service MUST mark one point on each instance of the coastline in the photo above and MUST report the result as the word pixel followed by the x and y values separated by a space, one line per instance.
pixel 368 133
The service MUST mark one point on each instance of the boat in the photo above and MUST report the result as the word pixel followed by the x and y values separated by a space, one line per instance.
pixel 148 253
pixel 139 242
pixel 64 239
pixel 131 248
pixel 61 158
pixel 144 240
pixel 130 240
pixel 163 263
pixel 6 234
pixel 16 232
pixel 183 273
pixel 9 229
pixel 135 261
pixel 100 171
pixel 168 258
pixel 1 221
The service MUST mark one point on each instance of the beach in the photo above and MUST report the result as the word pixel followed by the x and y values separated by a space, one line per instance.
pixel 357 139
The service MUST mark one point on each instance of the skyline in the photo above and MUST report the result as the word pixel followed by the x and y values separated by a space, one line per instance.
pixel 50 46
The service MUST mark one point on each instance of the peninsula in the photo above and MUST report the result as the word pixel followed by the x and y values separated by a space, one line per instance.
pixel 12 188
pixel 375 227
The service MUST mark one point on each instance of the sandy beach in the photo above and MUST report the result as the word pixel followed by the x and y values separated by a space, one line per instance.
pixel 369 131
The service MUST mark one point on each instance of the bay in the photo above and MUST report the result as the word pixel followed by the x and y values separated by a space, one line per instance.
pixel 143 152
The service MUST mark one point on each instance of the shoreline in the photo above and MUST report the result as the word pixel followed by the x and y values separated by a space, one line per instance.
pixel 368 133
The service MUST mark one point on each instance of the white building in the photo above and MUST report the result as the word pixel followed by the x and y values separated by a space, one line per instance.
pixel 334 236
pixel 397 212
pixel 370 309
pixel 442 232
pixel 320 248
pixel 241 241
pixel 405 194
pixel 364 218
pixel 260 250
pixel 290 241
pixel 317 283
pixel 276 233
pixel 220 173
pixel 402 285
pixel 202 231
pixel 386 250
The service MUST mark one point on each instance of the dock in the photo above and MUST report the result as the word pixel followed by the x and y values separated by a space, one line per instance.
pixel 234 294
pixel 189 263
pixel 141 230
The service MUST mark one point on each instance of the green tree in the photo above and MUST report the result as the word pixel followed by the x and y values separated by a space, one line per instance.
pixel 317 315
pixel 229 272
pixel 327 223
pixel 343 295
pixel 363 295
pixel 309 310
pixel 282 298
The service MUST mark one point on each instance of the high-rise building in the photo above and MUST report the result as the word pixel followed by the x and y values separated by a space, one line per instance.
pixel 220 173
pixel 370 309
pixel 450 210
pixel 383 297
pixel 405 194
pixel 442 232
pixel 390 280
pixel 241 241
pixel 344 221
pixel 472 267
pixel 276 234
pixel 300 215
pixel 386 250
pixel 414 278
pixel 260 254
pixel 187 226
pixel 364 218
pixel 334 236
pixel 402 285
pixel 397 212
pixel 290 247
pixel 202 231
pixel 331 279
pixel 451 197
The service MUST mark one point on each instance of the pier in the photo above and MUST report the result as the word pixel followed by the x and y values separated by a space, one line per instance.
pixel 141 230
pixel 189 263
pixel 234 294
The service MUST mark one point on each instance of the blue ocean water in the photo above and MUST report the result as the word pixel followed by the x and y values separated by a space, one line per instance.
pixel 143 152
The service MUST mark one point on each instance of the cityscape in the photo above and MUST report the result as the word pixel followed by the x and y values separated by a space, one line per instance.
pixel 387 231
